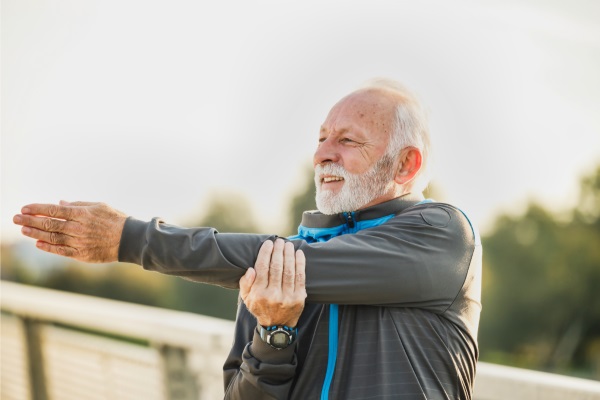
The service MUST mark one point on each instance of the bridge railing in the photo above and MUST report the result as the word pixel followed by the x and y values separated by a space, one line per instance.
pixel 58 345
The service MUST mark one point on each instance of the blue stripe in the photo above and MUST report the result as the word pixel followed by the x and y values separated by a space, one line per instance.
pixel 426 201
pixel 312 235
pixel 333 345
pixel 473 229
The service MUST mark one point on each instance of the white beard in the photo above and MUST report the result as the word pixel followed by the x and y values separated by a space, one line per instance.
pixel 358 190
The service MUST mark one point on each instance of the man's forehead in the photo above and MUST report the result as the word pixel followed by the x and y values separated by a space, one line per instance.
pixel 367 106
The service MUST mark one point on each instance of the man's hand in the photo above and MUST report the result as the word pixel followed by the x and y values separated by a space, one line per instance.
pixel 274 290
pixel 89 232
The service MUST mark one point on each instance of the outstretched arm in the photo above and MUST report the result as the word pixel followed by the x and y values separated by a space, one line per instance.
pixel 89 232
pixel 420 258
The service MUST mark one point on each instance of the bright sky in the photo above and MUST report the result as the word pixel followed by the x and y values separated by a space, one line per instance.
pixel 151 105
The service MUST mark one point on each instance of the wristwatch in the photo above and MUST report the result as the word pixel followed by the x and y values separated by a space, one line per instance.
pixel 278 336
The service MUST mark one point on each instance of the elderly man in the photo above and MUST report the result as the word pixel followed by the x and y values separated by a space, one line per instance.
pixel 377 297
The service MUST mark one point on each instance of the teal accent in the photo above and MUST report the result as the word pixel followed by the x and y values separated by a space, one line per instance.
pixel 426 201
pixel 333 345
pixel 312 235
pixel 473 229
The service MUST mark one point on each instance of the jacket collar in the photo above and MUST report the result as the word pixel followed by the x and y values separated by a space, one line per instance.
pixel 316 219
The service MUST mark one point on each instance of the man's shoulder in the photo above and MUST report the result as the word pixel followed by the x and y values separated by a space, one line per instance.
pixel 437 215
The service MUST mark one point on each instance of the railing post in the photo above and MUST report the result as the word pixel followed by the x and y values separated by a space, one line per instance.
pixel 35 358
pixel 180 383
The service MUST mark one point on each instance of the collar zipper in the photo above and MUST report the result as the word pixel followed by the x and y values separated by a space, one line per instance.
pixel 349 219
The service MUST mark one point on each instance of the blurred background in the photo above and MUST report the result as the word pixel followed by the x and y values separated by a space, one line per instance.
pixel 207 114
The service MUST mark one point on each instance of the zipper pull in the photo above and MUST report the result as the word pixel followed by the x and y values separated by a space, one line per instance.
pixel 349 219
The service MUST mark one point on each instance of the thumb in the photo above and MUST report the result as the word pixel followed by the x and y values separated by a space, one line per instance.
pixel 246 282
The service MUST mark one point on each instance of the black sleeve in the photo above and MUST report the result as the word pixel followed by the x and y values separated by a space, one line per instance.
pixel 255 370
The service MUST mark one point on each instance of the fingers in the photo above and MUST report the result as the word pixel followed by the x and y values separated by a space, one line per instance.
pixel 48 237
pixel 261 265
pixel 52 210
pixel 289 268
pixel 300 276
pixel 275 291
pixel 87 231
pixel 49 230
pixel 42 223
pixel 60 250
pixel 276 266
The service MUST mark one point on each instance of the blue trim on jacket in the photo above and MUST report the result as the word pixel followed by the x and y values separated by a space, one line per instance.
pixel 312 235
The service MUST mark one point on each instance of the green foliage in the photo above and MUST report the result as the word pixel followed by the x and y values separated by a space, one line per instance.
pixel 541 276
pixel 434 191
pixel 204 299
pixel 228 212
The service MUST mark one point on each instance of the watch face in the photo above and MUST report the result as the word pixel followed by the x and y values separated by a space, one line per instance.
pixel 280 339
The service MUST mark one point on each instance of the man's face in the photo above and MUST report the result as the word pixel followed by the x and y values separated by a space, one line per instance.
pixel 352 170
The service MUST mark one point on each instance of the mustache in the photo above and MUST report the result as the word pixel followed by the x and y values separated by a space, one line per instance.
pixel 331 169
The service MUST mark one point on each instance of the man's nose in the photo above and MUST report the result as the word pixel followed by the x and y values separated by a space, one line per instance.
pixel 326 152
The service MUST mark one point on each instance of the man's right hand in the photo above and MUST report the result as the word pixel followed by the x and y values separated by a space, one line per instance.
pixel 274 290
pixel 89 232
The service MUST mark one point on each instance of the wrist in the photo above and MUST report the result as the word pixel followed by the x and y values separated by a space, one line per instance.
pixel 277 336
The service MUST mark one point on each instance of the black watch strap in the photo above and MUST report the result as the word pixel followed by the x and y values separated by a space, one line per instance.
pixel 278 336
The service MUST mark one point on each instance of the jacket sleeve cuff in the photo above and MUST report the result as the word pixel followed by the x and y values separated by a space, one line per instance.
pixel 133 240
pixel 267 354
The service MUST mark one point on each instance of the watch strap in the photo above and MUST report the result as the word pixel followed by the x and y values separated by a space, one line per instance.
pixel 267 334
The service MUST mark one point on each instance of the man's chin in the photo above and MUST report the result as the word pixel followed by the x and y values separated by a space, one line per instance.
pixel 329 206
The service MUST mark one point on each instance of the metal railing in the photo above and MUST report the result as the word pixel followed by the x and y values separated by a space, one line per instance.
pixel 58 345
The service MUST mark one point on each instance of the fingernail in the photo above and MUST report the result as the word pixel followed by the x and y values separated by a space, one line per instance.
pixel 17 219
pixel 26 230
pixel 25 210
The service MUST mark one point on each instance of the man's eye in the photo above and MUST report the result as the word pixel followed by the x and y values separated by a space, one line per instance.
pixel 346 140
pixel 321 140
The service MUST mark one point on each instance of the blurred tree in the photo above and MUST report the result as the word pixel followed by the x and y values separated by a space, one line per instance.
pixel 304 200
pixel 541 274
pixel 12 268
pixel 435 192
pixel 124 282
pixel 227 212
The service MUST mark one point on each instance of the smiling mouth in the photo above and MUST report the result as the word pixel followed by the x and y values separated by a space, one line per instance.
pixel 329 179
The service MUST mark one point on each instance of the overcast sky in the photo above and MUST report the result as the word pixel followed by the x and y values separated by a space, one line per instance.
pixel 151 105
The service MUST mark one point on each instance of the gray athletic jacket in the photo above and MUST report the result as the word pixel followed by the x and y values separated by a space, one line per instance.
pixel 392 309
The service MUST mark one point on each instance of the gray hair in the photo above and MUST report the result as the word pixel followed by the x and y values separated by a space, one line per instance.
pixel 410 127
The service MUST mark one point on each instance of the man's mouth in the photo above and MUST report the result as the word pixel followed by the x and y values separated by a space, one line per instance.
pixel 328 179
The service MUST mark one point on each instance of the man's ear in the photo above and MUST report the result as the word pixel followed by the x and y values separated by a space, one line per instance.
pixel 409 164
